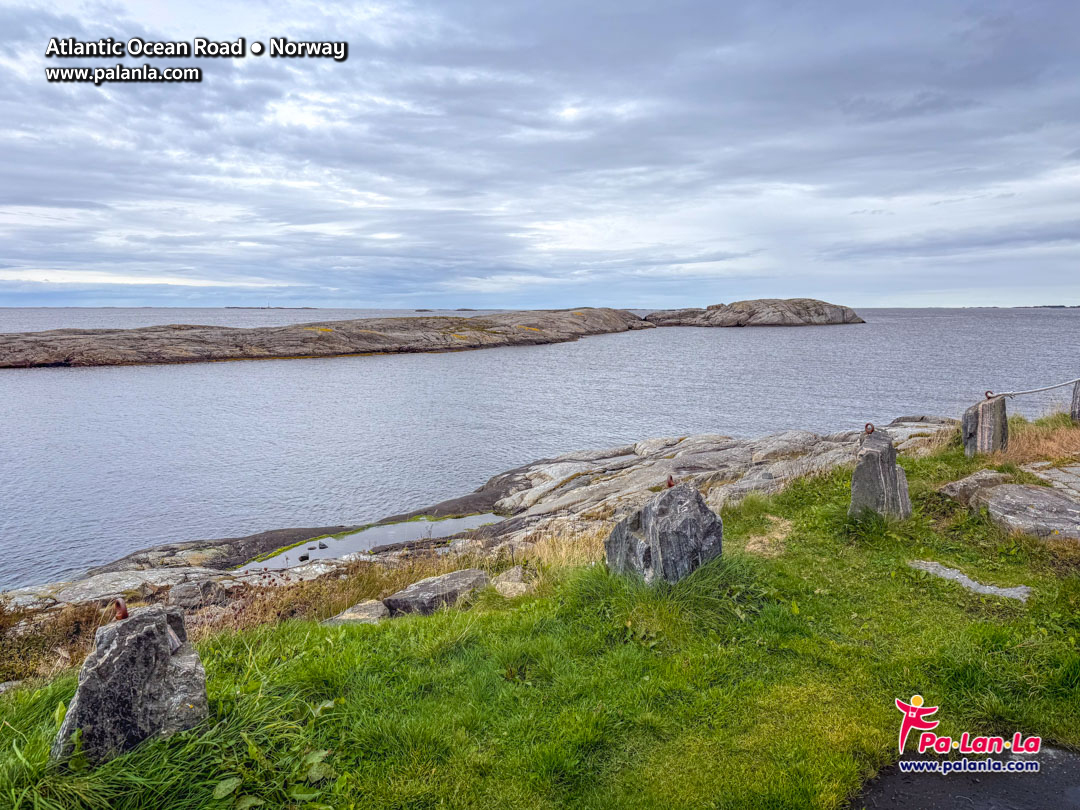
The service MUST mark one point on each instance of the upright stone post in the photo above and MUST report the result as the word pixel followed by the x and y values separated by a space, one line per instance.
pixel 1074 412
pixel 879 483
pixel 985 427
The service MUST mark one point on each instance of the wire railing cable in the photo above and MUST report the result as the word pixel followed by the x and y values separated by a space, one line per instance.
pixel 992 395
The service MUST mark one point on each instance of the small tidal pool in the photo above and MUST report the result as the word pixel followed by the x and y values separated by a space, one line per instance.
pixel 337 546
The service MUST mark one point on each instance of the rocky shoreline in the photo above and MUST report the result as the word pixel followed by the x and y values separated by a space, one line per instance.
pixel 577 492
pixel 179 343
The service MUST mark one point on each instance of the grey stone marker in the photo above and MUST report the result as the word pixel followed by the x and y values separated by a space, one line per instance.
pixel 1074 411
pixel 135 685
pixel 669 537
pixel 985 427
pixel 878 483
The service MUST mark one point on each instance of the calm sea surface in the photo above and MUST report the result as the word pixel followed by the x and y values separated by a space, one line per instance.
pixel 99 462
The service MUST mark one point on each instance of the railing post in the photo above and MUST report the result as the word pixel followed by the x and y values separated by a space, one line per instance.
pixel 879 483
pixel 1074 412
pixel 985 427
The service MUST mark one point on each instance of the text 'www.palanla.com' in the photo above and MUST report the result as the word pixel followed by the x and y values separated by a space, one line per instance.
pixel 121 73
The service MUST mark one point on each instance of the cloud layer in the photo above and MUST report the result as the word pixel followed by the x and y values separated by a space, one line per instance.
pixel 550 154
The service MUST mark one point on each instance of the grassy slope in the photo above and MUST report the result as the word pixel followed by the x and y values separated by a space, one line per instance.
pixel 756 682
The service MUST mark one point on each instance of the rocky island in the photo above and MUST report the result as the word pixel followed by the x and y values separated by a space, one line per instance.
pixel 179 343
pixel 760 312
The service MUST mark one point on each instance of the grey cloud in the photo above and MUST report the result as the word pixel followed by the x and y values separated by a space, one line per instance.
pixel 946 243
pixel 678 152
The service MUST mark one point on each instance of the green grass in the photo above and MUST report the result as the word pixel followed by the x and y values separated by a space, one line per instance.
pixel 763 683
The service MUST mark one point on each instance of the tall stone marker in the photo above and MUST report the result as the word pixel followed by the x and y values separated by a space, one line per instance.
pixel 985 427
pixel 878 483
pixel 667 538
pixel 143 679
pixel 1074 411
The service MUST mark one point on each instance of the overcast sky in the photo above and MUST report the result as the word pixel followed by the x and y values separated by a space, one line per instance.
pixel 550 153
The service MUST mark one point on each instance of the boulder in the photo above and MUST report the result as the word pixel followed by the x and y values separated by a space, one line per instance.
pixel 143 679
pixel 513 582
pixel 428 595
pixel 878 483
pixel 371 611
pixel 985 427
pixel 965 489
pixel 1074 411
pixel 670 536
pixel 1039 511
pixel 8 686
pixel 195 595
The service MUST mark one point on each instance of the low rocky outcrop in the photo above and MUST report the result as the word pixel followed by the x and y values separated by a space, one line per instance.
pixel 670 537
pixel 191 344
pixel 964 490
pixel 760 312
pixel 371 611
pixel 985 427
pixel 428 595
pixel 188 343
pixel 1039 511
pixel 879 484
pixel 143 679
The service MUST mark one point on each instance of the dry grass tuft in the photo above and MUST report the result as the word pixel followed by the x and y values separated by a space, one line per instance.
pixel 770 544
pixel 935 441
pixel 37 646
pixel 1051 438
pixel 567 549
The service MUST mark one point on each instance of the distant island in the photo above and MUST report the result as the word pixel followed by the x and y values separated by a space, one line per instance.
pixel 759 312
pixel 181 343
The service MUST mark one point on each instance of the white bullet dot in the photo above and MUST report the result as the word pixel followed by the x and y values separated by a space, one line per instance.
pixel 256 48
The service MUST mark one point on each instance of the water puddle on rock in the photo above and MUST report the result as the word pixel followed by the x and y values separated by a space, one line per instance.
pixel 338 546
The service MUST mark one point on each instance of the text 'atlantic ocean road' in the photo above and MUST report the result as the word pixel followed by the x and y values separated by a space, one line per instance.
pixel 199 48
